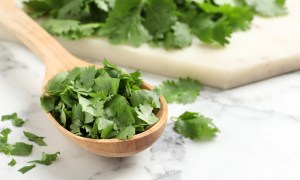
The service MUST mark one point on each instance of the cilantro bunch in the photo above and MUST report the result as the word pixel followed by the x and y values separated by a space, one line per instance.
pixel 101 103
pixel 161 23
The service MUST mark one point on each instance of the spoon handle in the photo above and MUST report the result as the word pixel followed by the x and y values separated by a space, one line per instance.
pixel 55 57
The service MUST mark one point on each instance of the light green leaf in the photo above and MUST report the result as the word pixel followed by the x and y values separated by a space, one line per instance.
pixel 182 91
pixel 16 121
pixel 145 113
pixel 34 138
pixel 47 159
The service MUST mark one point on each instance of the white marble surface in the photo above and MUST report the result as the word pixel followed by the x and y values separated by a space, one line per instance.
pixel 259 139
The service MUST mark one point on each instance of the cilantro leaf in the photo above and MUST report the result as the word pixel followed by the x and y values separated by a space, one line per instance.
pixel 195 126
pixel 34 138
pixel 143 96
pixel 110 85
pixel 16 121
pixel 47 159
pixel 126 133
pixel 145 113
pixel 119 108
pixel 12 162
pixel 105 126
pixel 268 7
pixel 21 149
pixel 72 8
pixel 25 169
pixel 47 102
pixel 182 35
pixel 105 5
pixel 56 84
pixel 182 91
pixel 38 8
pixel 94 107
pixel 160 16
pixel 69 28
pixel 4 135
pixel 124 24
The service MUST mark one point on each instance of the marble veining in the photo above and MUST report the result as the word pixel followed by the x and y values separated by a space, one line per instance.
pixel 259 136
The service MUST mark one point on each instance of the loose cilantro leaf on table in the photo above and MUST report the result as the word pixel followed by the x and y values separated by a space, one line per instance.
pixel 169 24
pixel 34 138
pixel 17 149
pixel 195 126
pixel 47 159
pixel 4 135
pixel 16 121
pixel 21 149
pixel 12 162
pixel 25 169
pixel 101 103
pixel 182 91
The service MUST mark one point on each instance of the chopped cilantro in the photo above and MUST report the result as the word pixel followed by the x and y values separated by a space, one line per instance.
pixel 100 103
pixel 25 169
pixel 169 24
pixel 34 138
pixel 21 149
pixel 182 91
pixel 4 135
pixel 16 121
pixel 195 126
pixel 47 159
pixel 13 162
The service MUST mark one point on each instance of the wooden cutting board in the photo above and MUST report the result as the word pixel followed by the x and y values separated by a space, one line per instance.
pixel 270 48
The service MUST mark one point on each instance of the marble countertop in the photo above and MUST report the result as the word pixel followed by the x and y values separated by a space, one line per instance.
pixel 259 139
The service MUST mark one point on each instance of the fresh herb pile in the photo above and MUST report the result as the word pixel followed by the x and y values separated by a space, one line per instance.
pixel 21 148
pixel 101 103
pixel 163 23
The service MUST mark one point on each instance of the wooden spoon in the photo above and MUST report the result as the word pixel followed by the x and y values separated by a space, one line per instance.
pixel 57 59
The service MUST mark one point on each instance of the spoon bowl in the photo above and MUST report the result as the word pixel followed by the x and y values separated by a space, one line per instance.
pixel 57 59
